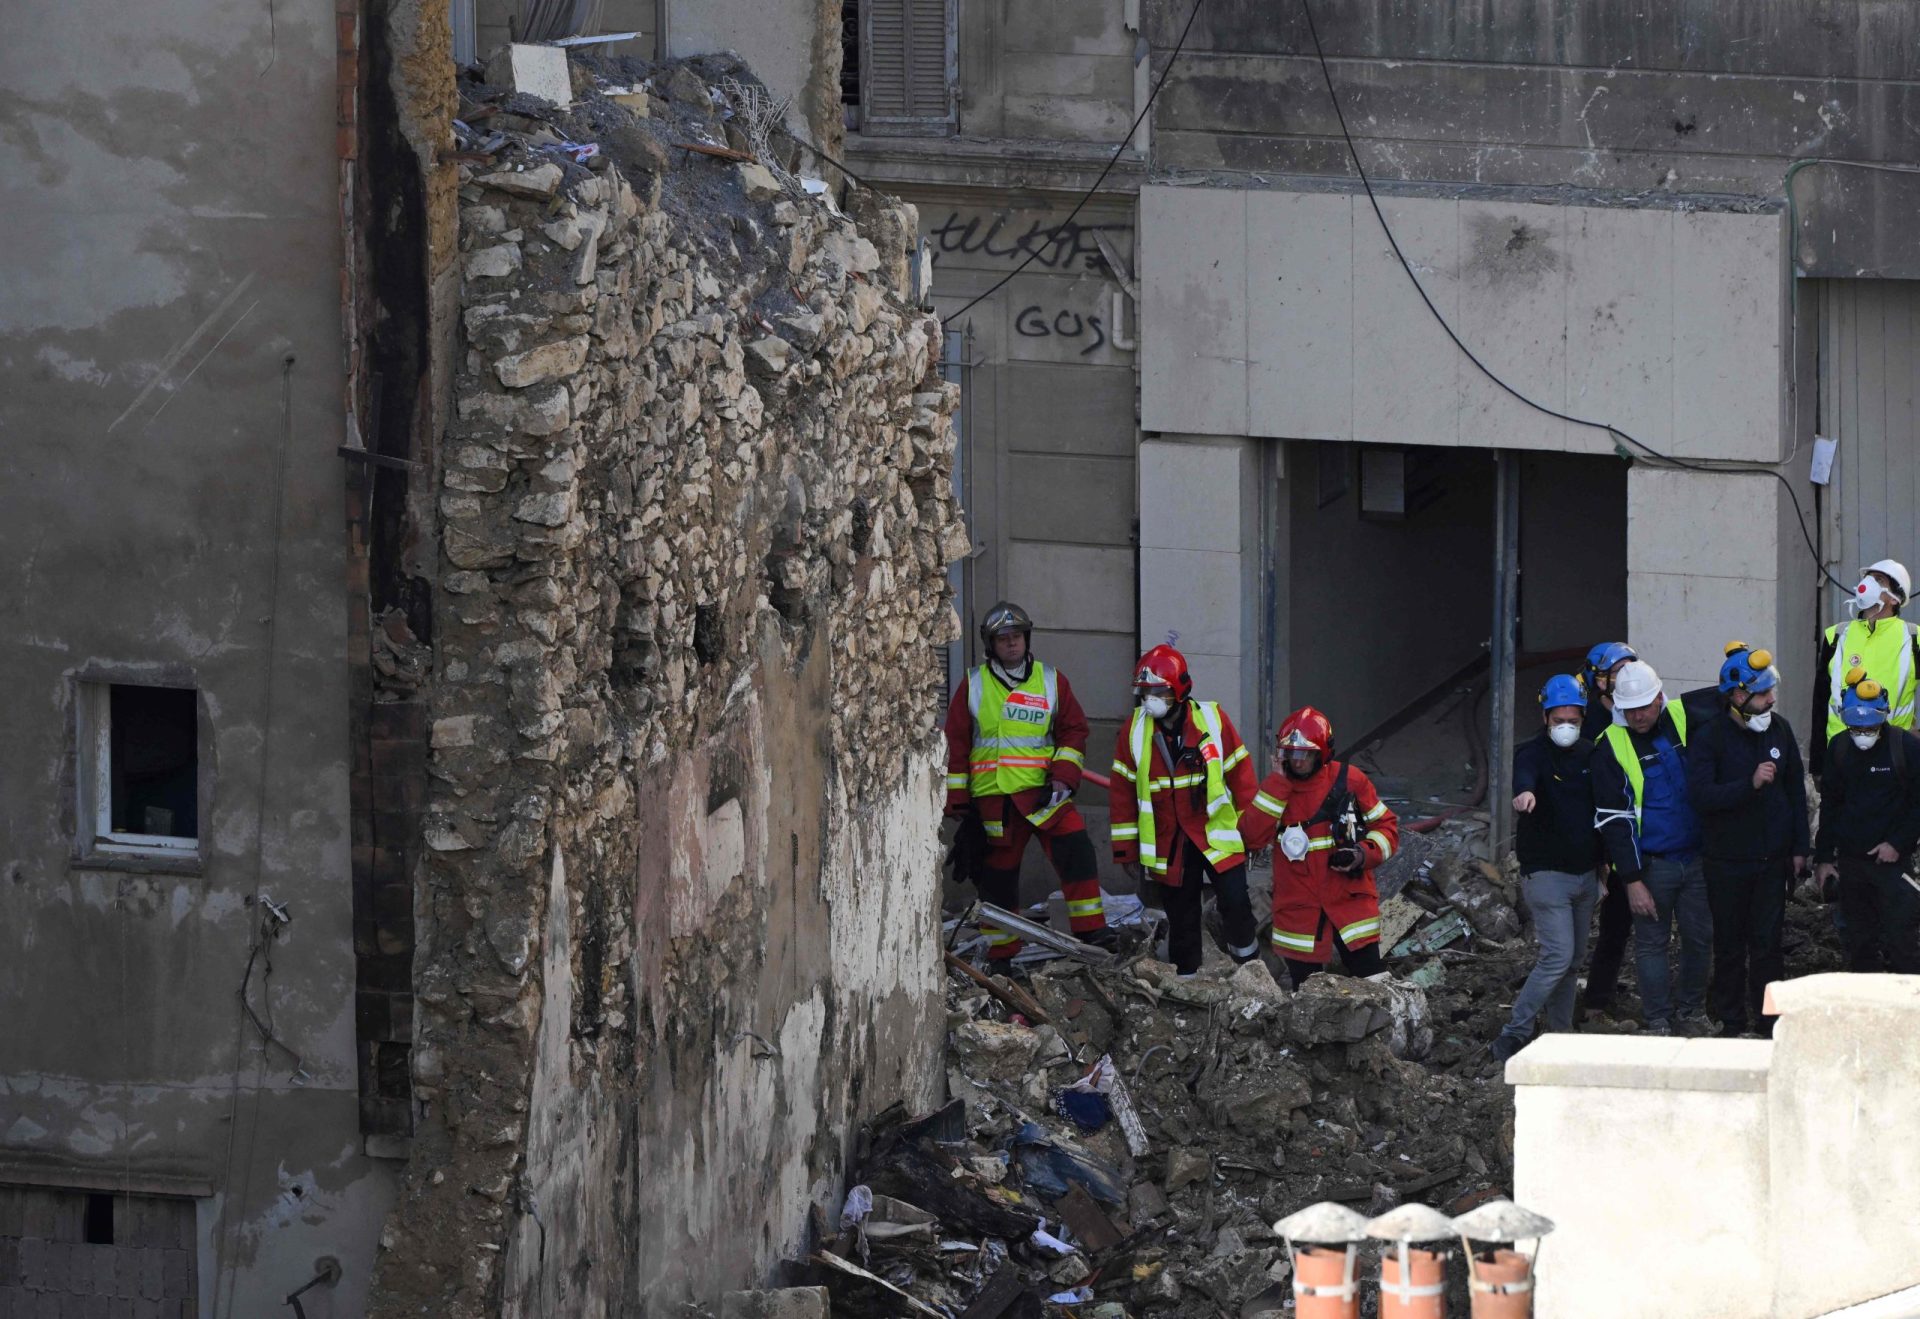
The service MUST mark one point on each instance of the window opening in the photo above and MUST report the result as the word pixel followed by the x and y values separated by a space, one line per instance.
pixel 140 780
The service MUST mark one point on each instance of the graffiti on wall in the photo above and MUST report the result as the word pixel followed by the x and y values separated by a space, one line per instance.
pixel 1088 332
pixel 1013 238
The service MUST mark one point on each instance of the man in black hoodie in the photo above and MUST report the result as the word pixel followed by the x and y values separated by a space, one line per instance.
pixel 1869 821
pixel 1559 860
pixel 1749 788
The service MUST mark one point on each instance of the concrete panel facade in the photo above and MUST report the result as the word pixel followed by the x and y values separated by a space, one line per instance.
pixel 1704 564
pixel 170 343
pixel 1288 315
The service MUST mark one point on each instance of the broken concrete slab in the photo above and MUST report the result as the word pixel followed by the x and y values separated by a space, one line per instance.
pixel 533 71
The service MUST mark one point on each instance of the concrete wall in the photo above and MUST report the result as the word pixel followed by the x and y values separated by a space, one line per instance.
pixel 493 19
pixel 1654 1151
pixel 1200 570
pixel 175 193
pixel 1775 1178
pixel 1706 99
pixel 1060 72
pixel 1287 314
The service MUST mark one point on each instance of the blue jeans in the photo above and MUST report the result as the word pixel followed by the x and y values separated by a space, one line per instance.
pixel 1562 906
pixel 1679 891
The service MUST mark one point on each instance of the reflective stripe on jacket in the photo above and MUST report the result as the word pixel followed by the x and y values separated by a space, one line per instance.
pixel 1223 818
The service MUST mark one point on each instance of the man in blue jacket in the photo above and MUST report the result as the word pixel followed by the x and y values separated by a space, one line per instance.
pixel 1559 860
pixel 1746 780
pixel 1652 837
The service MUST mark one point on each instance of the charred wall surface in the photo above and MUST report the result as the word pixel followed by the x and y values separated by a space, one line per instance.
pixel 677 922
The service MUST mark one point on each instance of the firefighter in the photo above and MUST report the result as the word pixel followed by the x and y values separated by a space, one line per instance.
pixel 1016 746
pixel 1878 642
pixel 1332 829
pixel 1181 778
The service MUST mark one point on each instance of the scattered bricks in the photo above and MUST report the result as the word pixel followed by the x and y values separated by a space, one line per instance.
pixel 786 1303
pixel 995 1049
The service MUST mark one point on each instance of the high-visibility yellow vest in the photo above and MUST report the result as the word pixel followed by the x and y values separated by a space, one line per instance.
pixel 1223 818
pixel 1884 648
pixel 1012 733
pixel 1620 738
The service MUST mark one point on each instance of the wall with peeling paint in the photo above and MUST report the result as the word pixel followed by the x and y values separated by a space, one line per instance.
pixel 170 352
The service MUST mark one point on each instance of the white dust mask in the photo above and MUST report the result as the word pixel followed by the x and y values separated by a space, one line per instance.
pixel 1564 735
pixel 1866 595
pixel 1293 843
pixel 1865 741
pixel 1156 706
pixel 1759 723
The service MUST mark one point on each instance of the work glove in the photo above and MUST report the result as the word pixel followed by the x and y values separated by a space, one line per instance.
pixel 1347 860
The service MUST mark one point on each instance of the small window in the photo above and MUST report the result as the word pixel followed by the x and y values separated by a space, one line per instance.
pixel 139 770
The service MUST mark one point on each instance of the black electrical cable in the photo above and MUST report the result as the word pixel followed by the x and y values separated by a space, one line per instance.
pixel 1619 435
pixel 1107 169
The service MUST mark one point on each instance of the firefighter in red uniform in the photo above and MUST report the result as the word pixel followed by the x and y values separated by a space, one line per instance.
pixel 1016 746
pixel 1181 779
pixel 1332 828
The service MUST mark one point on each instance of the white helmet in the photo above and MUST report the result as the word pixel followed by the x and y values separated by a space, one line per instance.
pixel 1635 685
pixel 1896 572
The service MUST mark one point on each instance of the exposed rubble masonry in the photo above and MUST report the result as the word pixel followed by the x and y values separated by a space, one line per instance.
pixel 677 916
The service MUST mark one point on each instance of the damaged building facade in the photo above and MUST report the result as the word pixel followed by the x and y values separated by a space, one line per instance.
pixel 479 633
pixel 1597 200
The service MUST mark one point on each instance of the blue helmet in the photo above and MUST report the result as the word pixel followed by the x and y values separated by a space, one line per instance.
pixel 1605 655
pixel 1864 705
pixel 1563 689
pixel 1748 670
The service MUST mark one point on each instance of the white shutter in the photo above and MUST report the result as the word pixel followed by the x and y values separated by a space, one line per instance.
pixel 906 74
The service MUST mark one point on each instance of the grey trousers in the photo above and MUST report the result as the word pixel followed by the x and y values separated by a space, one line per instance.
pixel 1562 906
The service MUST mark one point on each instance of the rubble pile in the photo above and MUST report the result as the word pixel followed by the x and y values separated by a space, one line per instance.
pixel 1119 1142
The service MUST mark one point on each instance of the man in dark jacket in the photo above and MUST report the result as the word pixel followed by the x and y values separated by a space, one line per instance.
pixel 1652 837
pixel 1749 789
pixel 1869 821
pixel 1559 860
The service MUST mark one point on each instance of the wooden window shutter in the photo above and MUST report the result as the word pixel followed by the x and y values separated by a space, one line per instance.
pixel 907 62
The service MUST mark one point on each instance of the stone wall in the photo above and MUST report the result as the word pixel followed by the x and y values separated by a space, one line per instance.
pixel 678 918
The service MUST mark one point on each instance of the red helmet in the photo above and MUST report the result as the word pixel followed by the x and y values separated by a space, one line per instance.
pixel 1163 666
pixel 1306 728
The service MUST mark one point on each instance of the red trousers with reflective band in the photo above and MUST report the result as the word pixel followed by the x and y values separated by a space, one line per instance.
pixel 1064 839
pixel 1311 902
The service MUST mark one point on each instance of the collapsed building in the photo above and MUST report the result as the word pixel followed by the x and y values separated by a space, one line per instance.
pixel 507 897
